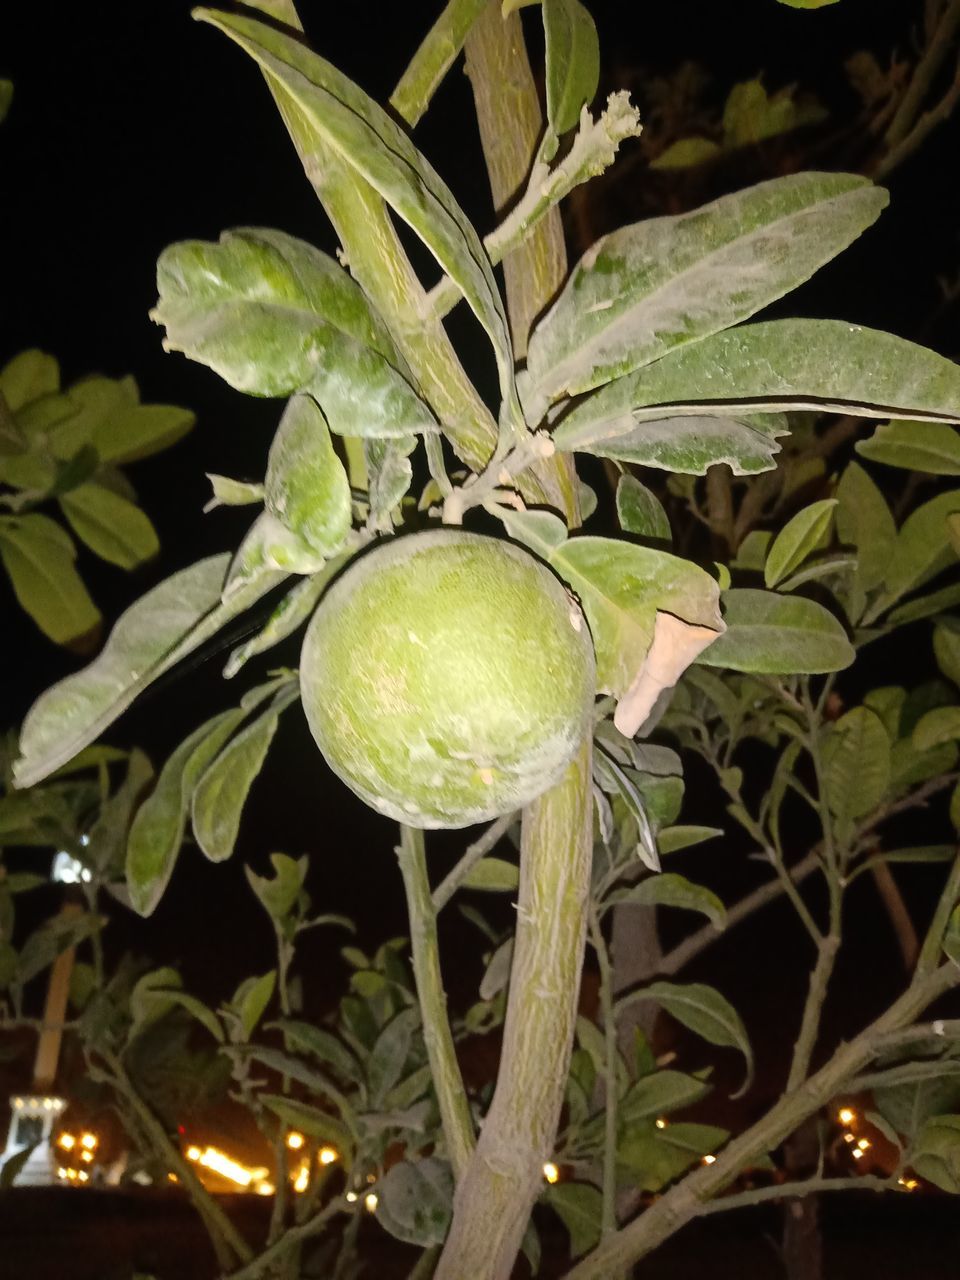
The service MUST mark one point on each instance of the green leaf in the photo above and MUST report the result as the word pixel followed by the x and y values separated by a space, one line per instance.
pixel 39 557
pixel 922 548
pixel 221 793
pixel 936 1155
pixel 493 875
pixel 773 365
pixel 671 839
pixel 933 447
pixel 279 895
pixel 773 634
pixel 951 938
pixel 640 512
pixel 309 1119
pixel 389 473
pixel 865 521
pixel 322 1044
pixel 940 725
pixel 654 1157
pixel 27 377
pixel 671 890
pixel 946 647
pixel 807 4
pixel 579 1206
pixel 928 606
pixel 573 62
pixel 292 612
pixel 157 831
pixel 272 315
pixel 659 284
pixel 415 1201
pixel 112 526
pixel 364 137
pixel 306 487
pixel 746 442
pixel 621 587
pixel 53 938
pixel 388 1057
pixel 659 1094
pixel 686 153
pixel 856 763
pixel 704 1011
pixel 150 637
pixel 799 538
pixel 232 493
pixel 541 531
pixel 250 1001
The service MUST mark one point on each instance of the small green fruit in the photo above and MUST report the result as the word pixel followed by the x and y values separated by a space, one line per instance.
pixel 447 678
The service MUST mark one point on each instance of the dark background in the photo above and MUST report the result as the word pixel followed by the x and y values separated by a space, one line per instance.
pixel 133 127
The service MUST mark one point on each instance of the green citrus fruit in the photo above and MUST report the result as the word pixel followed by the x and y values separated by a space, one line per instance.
pixel 447 678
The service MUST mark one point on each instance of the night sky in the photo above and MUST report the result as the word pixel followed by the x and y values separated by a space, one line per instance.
pixel 133 127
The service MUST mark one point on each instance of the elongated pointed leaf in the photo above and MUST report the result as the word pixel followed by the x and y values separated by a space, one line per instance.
pixel 306 486
pixel 799 538
pixel 671 890
pixel 659 1093
pixel 774 365
pixel 621 587
pixel 273 316
pixel 162 627
pixel 915 446
pixel 573 62
pixel 111 525
pixel 292 611
pixel 640 512
pixel 222 791
pixel 309 1119
pixel 39 557
pixel 703 1010
pixel 158 828
pixel 665 282
pixel 493 875
pixel 773 634
pixel 691 444
pixel 922 549
pixel 865 521
pixel 362 134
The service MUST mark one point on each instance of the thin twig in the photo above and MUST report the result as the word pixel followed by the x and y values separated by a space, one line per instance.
pixel 291 1238
pixel 923 75
pixel 449 885
pixel 794 1190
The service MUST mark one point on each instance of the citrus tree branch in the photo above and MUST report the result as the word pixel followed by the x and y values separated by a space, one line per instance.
pixel 441 1054
pixel 923 75
pixel 291 1239
pixel 690 1198
pixel 449 885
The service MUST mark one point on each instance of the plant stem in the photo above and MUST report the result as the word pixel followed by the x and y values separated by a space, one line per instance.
pixel 793 1190
pixel 434 58
pixel 930 951
pixel 810 1022
pixel 923 75
pixel 474 852
pixel 689 1198
pixel 226 1239
pixel 441 1054
pixel 609 1218
pixel 293 1237
pixel 493 1201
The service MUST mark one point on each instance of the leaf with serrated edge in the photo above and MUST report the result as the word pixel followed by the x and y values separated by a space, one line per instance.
pixel 365 137
pixel 649 288
pixel 771 634
pixel 798 538
pixel 775 365
pixel 162 627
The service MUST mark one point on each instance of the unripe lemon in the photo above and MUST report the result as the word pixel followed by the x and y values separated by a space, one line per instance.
pixel 447 678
